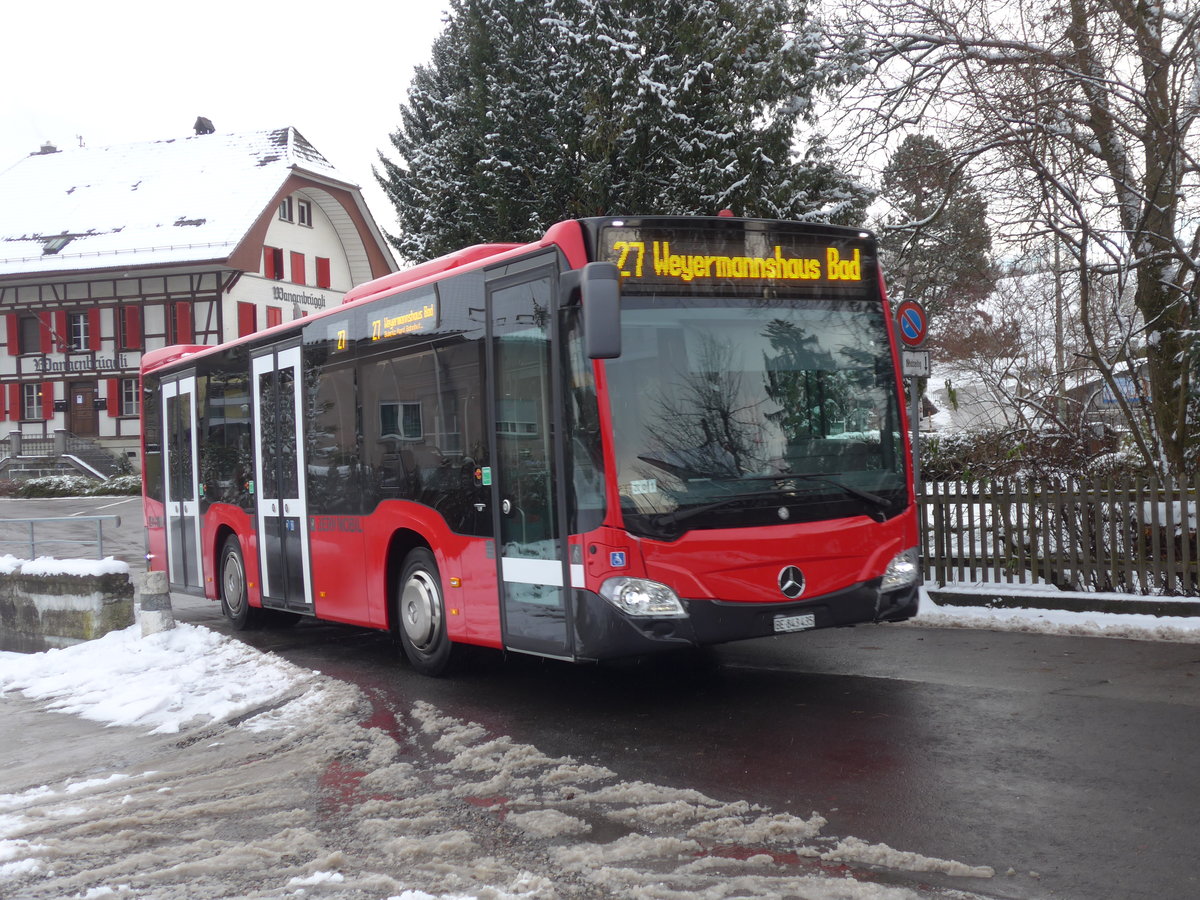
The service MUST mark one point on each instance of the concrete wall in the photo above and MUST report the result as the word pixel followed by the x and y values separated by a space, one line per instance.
pixel 39 612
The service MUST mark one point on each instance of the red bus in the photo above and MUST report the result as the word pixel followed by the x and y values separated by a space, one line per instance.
pixel 631 435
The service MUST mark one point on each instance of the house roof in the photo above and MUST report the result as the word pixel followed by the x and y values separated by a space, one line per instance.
pixel 168 202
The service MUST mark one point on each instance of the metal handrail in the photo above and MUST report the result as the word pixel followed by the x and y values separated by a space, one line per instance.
pixel 32 542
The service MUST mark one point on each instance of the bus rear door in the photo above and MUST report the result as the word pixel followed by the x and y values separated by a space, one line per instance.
pixel 282 507
pixel 182 494
pixel 535 595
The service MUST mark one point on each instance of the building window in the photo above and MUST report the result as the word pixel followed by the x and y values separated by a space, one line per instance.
pixel 78 335
pixel 304 212
pixel 129 397
pixel 298 268
pixel 31 401
pixel 30 340
pixel 400 420
pixel 285 209
pixel 50 246
pixel 273 263
pixel 323 280
pixel 274 316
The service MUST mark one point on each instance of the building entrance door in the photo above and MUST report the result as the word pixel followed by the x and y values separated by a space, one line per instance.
pixel 81 409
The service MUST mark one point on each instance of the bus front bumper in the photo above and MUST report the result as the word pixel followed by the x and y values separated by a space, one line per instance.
pixel 603 632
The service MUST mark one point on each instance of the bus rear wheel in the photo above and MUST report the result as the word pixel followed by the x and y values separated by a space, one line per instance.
pixel 235 601
pixel 421 615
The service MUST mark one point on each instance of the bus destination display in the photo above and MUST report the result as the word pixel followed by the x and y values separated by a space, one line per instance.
pixel 410 315
pixel 707 260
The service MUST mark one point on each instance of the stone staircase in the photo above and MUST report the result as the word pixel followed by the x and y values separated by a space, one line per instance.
pixel 23 457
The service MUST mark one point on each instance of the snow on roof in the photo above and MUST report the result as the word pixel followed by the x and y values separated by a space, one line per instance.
pixel 177 200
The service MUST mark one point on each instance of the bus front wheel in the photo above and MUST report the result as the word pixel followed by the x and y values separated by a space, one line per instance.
pixel 235 603
pixel 421 618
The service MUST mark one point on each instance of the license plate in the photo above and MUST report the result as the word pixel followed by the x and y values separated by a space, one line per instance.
pixel 795 623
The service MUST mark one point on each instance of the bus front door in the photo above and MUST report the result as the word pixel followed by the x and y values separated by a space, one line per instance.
pixel 282 516
pixel 535 595
pixel 182 497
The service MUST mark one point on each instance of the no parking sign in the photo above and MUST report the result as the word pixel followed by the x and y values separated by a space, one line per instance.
pixel 912 323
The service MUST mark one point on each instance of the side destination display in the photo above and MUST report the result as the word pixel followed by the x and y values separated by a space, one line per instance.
pixel 738 260
pixel 408 314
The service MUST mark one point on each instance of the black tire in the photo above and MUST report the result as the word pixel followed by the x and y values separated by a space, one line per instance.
pixel 235 602
pixel 421 615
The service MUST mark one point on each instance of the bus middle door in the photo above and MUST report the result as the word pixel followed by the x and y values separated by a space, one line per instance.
pixel 536 612
pixel 282 507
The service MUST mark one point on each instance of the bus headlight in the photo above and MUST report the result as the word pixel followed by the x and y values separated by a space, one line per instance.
pixel 641 597
pixel 902 571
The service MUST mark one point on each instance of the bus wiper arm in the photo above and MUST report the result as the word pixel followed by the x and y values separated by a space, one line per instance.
pixel 674 518
pixel 873 499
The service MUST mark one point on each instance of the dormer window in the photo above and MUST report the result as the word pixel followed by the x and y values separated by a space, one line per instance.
pixel 285 210
pixel 304 212
pixel 50 246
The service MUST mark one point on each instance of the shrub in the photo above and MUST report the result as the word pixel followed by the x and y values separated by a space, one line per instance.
pixel 79 486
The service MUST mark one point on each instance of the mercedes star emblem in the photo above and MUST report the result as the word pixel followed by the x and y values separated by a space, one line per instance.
pixel 791 582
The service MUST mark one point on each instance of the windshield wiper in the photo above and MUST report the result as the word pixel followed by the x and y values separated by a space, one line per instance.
pixel 873 499
pixel 682 515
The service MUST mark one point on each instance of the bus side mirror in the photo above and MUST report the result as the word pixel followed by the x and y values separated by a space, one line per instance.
pixel 600 296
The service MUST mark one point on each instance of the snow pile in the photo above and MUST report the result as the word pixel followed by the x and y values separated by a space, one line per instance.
pixel 162 682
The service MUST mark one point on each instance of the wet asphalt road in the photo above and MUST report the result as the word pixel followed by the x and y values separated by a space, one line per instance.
pixel 1070 761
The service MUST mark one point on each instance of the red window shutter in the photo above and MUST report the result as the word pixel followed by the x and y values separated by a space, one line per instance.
pixel 14 402
pixel 269 270
pixel 133 327
pixel 323 280
pixel 3 404
pixel 274 316
pixel 47 400
pixel 247 319
pixel 183 322
pixel 114 397
pixel 61 334
pixel 14 335
pixel 298 268
pixel 94 328
pixel 47 322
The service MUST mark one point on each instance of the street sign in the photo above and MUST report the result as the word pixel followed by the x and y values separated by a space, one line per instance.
pixel 912 323
pixel 914 363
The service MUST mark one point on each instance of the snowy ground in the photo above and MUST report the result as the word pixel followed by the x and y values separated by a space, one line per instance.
pixel 216 770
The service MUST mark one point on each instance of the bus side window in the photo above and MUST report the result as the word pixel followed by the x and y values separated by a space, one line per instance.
pixel 334 471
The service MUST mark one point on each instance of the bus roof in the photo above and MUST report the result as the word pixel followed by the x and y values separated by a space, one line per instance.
pixel 454 260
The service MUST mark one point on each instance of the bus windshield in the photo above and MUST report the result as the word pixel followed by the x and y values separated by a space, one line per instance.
pixel 733 412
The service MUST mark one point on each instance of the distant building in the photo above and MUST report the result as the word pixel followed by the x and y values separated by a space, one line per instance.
pixel 106 253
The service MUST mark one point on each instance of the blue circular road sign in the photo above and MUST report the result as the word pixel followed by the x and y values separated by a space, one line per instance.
pixel 912 323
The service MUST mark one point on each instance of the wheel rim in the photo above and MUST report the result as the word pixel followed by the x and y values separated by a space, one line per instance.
pixel 420 610
pixel 233 582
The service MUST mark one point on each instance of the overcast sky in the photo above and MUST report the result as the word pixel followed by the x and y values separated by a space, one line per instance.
pixel 123 71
